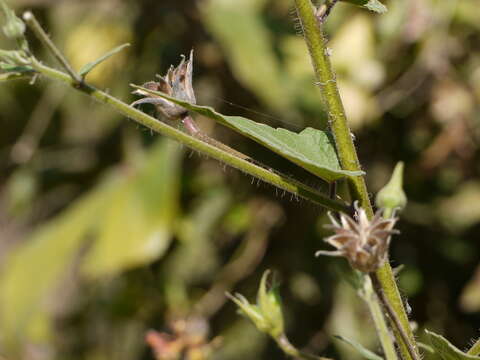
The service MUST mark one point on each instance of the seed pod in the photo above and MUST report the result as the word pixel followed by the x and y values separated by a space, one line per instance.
pixel 362 242
pixel 176 83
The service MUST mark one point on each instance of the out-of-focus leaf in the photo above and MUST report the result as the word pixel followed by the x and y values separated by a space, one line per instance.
pixel 132 213
pixel 89 66
pixel 196 258
pixel 91 40
pixel 238 27
pixel 21 189
pixel 194 233
pixel 446 350
pixel 311 149
pixel 354 52
pixel 463 208
pixel 367 354
pixel 372 5
pixel 34 268
pixel 347 317
pixel 470 297
pixel 136 226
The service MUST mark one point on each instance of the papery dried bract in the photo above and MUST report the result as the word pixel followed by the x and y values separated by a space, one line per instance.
pixel 176 83
pixel 362 242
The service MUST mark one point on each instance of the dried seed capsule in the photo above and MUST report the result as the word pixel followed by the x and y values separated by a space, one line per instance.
pixel 362 242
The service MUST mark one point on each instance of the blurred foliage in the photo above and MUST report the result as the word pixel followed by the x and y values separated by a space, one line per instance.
pixel 103 237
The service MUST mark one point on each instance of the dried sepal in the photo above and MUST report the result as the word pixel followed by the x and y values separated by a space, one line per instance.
pixel 364 243
pixel 176 83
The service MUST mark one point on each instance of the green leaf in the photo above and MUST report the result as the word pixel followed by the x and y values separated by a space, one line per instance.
pixel 137 224
pixel 36 267
pixel 89 67
pixel 311 149
pixel 129 217
pixel 245 39
pixel 372 5
pixel 367 354
pixel 446 350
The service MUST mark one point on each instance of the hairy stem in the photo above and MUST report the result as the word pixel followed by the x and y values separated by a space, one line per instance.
pixel 281 181
pixel 326 79
pixel 394 317
pixel 368 294
pixel 475 349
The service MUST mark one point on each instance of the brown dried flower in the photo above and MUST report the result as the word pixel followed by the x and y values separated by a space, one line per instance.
pixel 362 242
pixel 176 83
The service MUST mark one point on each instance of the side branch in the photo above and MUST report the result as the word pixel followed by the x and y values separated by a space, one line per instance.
pixel 269 176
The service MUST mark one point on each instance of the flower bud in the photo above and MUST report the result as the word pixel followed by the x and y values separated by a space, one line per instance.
pixel 270 305
pixel 267 313
pixel 14 27
pixel 251 311
pixel 392 197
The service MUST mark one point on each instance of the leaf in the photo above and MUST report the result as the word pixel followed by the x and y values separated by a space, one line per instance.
pixel 311 149
pixel 245 39
pixel 137 224
pixel 446 350
pixel 372 5
pixel 89 67
pixel 35 268
pixel 367 354
pixel 129 216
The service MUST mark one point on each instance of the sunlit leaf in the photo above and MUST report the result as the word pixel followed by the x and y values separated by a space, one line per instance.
pixel 136 226
pixel 128 217
pixel 35 268
pixel 372 5
pixel 367 354
pixel 311 149
pixel 89 67
pixel 446 350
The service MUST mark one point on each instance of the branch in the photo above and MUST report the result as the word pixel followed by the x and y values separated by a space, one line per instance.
pixel 43 37
pixel 267 175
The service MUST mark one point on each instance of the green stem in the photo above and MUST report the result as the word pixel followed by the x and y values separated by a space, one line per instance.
pixel 368 294
pixel 48 43
pixel 326 79
pixel 288 348
pixel 475 349
pixel 394 317
pixel 281 181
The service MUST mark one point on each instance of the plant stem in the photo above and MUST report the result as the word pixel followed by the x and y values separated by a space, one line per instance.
pixel 319 54
pixel 269 176
pixel 393 317
pixel 336 113
pixel 376 311
pixel 475 349
pixel 45 39
pixel 288 348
